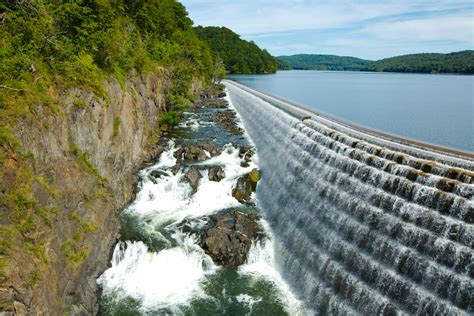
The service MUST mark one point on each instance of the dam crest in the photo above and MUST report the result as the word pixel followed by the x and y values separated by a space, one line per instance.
pixel 364 222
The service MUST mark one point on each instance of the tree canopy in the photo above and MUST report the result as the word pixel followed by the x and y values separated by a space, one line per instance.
pixel 324 62
pixel 238 55
pixel 79 43
pixel 457 62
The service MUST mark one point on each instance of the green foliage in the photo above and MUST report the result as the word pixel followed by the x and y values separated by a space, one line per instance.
pixel 82 159
pixel 458 62
pixel 117 122
pixel 324 62
pixel 283 65
pixel 73 248
pixel 81 43
pixel 238 55
pixel 170 119
pixel 73 252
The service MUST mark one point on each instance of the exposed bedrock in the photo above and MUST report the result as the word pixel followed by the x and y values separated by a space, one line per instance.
pixel 85 157
pixel 362 224
pixel 245 186
pixel 227 237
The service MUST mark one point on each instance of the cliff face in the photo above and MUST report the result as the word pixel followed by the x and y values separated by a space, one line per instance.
pixel 81 161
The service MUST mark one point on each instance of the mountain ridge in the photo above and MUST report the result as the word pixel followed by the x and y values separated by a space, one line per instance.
pixel 454 62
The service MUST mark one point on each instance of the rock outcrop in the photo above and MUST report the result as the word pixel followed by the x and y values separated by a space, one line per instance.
pixel 84 161
pixel 227 238
pixel 245 186
pixel 196 152
pixel 227 120
pixel 216 174
pixel 193 176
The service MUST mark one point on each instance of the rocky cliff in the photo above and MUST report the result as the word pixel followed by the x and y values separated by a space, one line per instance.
pixel 76 170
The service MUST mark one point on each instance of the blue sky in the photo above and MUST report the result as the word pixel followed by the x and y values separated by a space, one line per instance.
pixel 366 29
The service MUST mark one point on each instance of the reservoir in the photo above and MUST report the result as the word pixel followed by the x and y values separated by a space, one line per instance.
pixel 435 109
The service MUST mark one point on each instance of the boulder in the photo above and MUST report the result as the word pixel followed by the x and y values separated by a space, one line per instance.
pixel 246 153
pixel 192 153
pixel 196 152
pixel 227 238
pixel 193 176
pixel 216 174
pixel 156 174
pixel 210 148
pixel 213 103
pixel 246 185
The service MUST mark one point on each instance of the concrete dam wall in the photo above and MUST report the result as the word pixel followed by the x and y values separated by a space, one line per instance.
pixel 364 222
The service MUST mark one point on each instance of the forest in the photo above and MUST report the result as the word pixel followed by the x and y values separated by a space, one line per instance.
pixel 238 55
pixel 458 62
pixel 81 43
pixel 324 62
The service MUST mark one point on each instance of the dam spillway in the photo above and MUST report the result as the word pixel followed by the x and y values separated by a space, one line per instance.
pixel 364 223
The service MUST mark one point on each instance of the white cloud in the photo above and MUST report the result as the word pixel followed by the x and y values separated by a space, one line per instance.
pixel 368 28
pixel 458 27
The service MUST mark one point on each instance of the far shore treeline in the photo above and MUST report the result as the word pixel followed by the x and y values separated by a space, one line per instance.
pixel 457 62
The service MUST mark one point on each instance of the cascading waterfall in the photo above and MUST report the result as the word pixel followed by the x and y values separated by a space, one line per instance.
pixel 363 224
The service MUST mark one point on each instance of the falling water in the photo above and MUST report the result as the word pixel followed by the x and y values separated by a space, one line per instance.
pixel 362 224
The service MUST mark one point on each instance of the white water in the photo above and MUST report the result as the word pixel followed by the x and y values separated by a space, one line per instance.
pixel 358 227
pixel 261 263
pixel 174 277
pixel 166 279
pixel 171 199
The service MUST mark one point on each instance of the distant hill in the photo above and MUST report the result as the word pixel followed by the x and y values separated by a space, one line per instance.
pixel 283 65
pixel 325 62
pixel 238 55
pixel 457 62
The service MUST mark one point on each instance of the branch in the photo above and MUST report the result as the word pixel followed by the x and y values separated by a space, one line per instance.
pixel 10 88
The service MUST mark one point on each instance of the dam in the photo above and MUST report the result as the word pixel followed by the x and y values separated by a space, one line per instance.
pixel 364 222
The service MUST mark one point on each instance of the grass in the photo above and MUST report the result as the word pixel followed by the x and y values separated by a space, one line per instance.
pixel 79 103
pixel 82 159
pixel 116 128
pixel 73 248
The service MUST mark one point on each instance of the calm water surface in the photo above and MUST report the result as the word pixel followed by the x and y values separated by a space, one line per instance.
pixel 436 109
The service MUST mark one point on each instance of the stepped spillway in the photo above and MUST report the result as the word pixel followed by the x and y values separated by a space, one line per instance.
pixel 364 222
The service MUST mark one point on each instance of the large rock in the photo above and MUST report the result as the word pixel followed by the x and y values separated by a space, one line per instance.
pixel 227 238
pixel 193 176
pixel 246 153
pixel 246 185
pixel 216 174
pixel 197 152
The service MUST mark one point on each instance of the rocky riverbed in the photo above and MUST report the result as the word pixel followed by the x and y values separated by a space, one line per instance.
pixel 194 241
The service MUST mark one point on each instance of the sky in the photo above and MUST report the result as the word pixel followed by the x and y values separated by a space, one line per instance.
pixel 369 29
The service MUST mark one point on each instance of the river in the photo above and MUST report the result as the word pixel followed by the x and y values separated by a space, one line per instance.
pixel 436 109
pixel 158 269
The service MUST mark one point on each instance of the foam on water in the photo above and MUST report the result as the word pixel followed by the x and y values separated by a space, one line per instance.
pixel 167 279
pixel 170 199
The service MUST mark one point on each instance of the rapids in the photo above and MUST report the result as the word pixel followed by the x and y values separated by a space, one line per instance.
pixel 156 268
